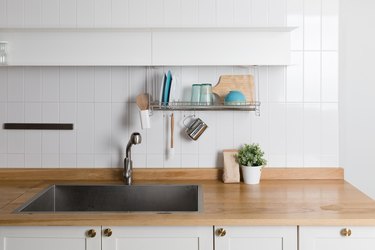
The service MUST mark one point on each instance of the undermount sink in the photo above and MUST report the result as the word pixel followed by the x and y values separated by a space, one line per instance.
pixel 116 198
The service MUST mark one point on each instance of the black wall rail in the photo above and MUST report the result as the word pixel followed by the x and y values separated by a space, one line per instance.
pixel 39 126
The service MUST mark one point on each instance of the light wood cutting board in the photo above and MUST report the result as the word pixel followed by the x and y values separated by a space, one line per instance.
pixel 243 83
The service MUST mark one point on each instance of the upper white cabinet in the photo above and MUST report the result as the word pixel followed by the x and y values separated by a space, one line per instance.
pixel 148 46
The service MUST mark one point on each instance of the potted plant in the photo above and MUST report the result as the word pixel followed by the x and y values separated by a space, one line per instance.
pixel 250 156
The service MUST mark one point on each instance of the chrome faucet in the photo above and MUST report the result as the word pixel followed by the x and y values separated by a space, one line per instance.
pixel 135 139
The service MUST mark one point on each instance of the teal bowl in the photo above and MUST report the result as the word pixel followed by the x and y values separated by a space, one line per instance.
pixel 235 97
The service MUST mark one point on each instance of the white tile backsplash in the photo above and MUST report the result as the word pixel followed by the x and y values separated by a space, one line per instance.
pixel 297 125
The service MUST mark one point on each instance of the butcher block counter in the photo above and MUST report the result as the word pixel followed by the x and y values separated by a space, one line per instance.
pixel 284 197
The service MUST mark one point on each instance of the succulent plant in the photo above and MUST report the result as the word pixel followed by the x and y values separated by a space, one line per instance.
pixel 251 155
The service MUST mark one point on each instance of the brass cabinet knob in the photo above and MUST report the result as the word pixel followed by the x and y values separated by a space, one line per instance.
pixel 346 232
pixel 91 233
pixel 221 232
pixel 107 232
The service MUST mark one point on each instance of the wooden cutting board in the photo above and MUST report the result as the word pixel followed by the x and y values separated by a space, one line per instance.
pixel 243 83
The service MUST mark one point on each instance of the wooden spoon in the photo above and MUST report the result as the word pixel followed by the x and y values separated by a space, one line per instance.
pixel 142 101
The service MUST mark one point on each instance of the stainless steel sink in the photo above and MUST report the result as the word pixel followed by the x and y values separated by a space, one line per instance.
pixel 116 198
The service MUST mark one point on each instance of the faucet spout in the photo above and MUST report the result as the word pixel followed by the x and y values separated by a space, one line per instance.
pixel 135 138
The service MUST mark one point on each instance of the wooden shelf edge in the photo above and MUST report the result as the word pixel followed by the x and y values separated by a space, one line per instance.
pixel 173 174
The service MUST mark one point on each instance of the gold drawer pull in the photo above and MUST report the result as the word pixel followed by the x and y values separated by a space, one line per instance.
pixel 91 233
pixel 346 232
pixel 221 232
pixel 107 232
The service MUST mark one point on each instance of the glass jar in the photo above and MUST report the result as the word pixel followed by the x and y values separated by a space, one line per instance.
pixel 206 94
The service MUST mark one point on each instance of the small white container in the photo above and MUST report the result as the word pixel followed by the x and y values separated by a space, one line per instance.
pixel 251 175
pixel 3 52
pixel 145 118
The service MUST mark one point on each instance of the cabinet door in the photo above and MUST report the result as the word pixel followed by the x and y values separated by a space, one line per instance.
pixel 342 238
pixel 49 238
pixel 158 238
pixel 257 238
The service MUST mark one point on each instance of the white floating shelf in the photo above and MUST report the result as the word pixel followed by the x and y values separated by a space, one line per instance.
pixel 148 46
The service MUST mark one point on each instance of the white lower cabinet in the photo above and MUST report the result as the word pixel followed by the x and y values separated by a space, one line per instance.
pixel 257 238
pixel 340 238
pixel 157 238
pixel 50 238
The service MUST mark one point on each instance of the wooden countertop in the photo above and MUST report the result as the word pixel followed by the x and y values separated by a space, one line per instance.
pixel 272 202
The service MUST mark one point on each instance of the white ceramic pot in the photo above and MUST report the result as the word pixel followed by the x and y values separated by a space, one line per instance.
pixel 251 175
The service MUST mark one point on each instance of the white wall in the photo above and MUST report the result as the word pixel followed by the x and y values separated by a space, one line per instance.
pixel 357 93
pixel 298 125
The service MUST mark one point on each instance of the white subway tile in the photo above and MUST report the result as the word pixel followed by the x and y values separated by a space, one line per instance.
pixel 260 128
pixel 139 160
pixel 241 128
pixel 156 10
pixel 103 13
pixel 51 84
pixel 120 84
pixel 277 13
pixel 225 12
pixel 3 160
pixel 16 142
pixel 51 13
pixel 172 161
pixel 189 160
pixel 276 84
pixel 120 13
pixel 209 141
pixel 259 13
pixel 206 13
pixel 119 128
pixel 3 84
pixel 262 74
pixel 85 128
pixel 102 84
pixel 16 160
pixel 330 24
pixel 68 13
pixel 189 12
pixel 33 112
pixel 312 135
pixel 15 13
pixel 68 160
pixel 208 161
pixel 50 112
pixel 85 84
pixel 33 84
pixel 224 131
pixel 135 126
pixel 3 133
pixel 189 76
pixel 118 160
pixel 50 142
pixel 312 84
pixel 329 134
pixel 33 142
pixel 330 75
pixel 294 134
pixel 155 160
pixel 312 25
pixel 50 161
pixel 137 13
pixel 156 134
pixel 294 75
pixel 85 13
pixel 102 123
pixel 3 14
pixel 15 84
pixel 16 112
pixel 103 161
pixel 85 160
pixel 295 19
pixel 207 75
pixel 33 160
pixel 68 139
pixel 242 12
pixel 33 13
pixel 68 84
pixel 137 82
pixel 277 135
